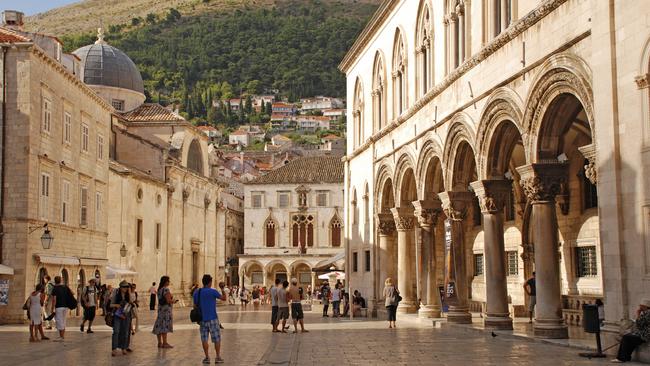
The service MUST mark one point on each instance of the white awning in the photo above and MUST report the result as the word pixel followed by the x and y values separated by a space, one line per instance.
pixel 93 261
pixel 329 261
pixel 6 270
pixel 114 272
pixel 55 259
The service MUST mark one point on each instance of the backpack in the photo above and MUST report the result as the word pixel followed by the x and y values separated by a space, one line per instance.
pixel 196 315
pixel 325 292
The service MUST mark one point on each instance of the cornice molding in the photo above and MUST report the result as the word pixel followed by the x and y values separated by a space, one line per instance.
pixel 57 66
pixel 512 32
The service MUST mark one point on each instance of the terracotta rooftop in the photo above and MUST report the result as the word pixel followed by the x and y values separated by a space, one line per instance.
pixel 239 133
pixel 332 137
pixel 313 169
pixel 9 36
pixel 151 112
pixel 207 128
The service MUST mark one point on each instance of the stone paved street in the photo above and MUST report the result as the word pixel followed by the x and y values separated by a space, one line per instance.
pixel 247 340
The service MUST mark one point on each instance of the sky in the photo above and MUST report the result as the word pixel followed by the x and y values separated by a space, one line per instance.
pixel 31 7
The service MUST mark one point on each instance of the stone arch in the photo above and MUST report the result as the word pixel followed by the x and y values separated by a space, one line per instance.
pixel 460 132
pixel 405 178
pixel 562 74
pixel 195 157
pixel 357 113
pixel 299 262
pixel 379 84
pixel 400 73
pixel 503 106
pixel 384 194
pixel 430 155
pixel 274 263
pixel 424 54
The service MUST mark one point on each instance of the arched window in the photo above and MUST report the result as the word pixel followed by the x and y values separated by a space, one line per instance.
pixel 399 75
pixel 424 51
pixel 65 278
pixel 302 227
pixel 270 228
pixel 498 16
pixel 379 93
pixel 335 231
pixel 41 276
pixel 358 114
pixel 353 207
pixel 457 31
pixel 195 157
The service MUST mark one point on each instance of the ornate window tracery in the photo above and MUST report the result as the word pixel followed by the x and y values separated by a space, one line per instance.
pixel 270 228
pixel 358 114
pixel 424 52
pixel 302 226
pixel 379 93
pixel 399 76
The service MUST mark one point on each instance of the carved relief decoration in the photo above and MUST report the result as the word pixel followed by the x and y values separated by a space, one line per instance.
pixel 427 216
pixel 642 81
pixel 404 222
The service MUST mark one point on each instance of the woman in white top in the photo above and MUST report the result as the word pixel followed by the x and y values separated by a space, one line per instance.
pixel 336 301
pixel 35 306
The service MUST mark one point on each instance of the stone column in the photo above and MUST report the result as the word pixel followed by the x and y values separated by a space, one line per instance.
pixel 492 195
pixel 427 213
pixel 455 206
pixel 405 222
pixel 386 228
pixel 313 282
pixel 541 183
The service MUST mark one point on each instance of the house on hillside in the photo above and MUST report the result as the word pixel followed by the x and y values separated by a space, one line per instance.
pixel 334 114
pixel 284 109
pixel 239 137
pixel 213 134
pixel 320 103
pixel 312 123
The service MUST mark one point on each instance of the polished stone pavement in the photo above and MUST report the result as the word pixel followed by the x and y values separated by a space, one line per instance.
pixel 247 340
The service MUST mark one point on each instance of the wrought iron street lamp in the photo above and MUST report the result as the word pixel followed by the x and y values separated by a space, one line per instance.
pixel 47 238
pixel 123 251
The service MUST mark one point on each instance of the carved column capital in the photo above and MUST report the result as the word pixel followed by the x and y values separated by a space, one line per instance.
pixel 427 212
pixel 543 181
pixel 455 204
pixel 492 194
pixel 404 219
pixel 589 152
pixel 386 223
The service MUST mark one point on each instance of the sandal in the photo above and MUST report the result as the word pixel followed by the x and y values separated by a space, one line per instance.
pixel 167 345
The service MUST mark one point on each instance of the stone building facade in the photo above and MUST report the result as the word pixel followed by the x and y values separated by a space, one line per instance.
pixel 488 140
pixel 55 170
pixel 124 187
pixel 293 222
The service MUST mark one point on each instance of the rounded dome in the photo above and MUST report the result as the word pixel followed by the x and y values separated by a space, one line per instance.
pixel 103 64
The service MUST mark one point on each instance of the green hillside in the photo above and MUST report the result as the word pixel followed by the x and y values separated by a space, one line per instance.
pixel 291 47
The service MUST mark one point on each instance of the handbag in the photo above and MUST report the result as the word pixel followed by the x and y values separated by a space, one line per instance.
pixel 195 314
pixel 26 304
pixel 71 301
pixel 108 318
pixel 398 297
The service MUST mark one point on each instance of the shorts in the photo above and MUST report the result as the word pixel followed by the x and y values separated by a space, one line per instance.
pixel 89 313
pixel 532 303
pixel 59 317
pixel 296 311
pixel 283 313
pixel 212 327
pixel 274 314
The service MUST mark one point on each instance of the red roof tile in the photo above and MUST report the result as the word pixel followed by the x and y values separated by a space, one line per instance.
pixel 151 112
pixel 9 36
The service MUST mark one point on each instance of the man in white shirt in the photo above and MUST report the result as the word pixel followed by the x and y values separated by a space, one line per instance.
pixel 152 296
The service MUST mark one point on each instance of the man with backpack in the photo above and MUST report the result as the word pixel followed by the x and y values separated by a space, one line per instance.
pixel 205 301
pixel 325 294
pixel 89 301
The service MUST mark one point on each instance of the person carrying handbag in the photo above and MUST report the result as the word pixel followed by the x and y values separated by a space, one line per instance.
pixel 205 313
pixel 392 296
pixel 121 308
